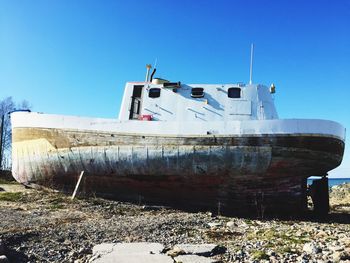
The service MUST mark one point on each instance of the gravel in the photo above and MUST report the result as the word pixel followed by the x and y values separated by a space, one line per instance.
pixel 45 226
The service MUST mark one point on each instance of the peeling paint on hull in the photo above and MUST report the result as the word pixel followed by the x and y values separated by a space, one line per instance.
pixel 244 175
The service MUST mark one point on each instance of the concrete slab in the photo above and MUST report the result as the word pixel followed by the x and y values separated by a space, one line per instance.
pixel 129 253
pixel 135 258
pixel 103 248
pixel 194 259
pixel 129 248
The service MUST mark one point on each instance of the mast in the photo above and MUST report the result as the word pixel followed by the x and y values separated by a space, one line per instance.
pixel 251 63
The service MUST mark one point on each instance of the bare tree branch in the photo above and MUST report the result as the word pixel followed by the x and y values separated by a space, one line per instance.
pixel 7 105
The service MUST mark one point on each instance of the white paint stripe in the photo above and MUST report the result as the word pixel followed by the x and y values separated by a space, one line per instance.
pixel 219 128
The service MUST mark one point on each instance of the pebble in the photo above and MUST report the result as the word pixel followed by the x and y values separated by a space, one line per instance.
pixel 345 255
pixel 200 249
pixel 308 248
pixel 175 251
pixel 231 224
pixel 214 224
pixel 337 248
pixel 4 259
pixel 336 256
pixel 321 234
pixel 273 259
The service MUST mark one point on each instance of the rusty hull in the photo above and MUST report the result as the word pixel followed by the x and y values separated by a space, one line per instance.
pixel 246 175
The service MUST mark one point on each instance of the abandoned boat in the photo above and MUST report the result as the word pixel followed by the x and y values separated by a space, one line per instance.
pixel 195 146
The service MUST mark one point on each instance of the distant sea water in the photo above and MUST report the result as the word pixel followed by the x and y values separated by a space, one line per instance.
pixel 332 181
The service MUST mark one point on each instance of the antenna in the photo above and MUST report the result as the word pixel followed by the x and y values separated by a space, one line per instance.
pixel 251 63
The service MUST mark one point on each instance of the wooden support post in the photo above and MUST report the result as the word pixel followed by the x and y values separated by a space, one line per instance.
pixel 320 196
pixel 77 185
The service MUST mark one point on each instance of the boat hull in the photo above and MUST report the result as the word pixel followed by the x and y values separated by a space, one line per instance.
pixel 229 174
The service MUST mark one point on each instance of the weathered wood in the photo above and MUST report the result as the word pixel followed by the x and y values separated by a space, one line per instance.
pixel 247 174
pixel 77 185
pixel 60 138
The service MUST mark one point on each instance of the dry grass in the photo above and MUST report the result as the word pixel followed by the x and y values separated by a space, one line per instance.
pixel 11 196
pixel 6 181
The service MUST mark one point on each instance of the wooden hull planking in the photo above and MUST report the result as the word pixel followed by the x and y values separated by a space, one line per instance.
pixel 245 175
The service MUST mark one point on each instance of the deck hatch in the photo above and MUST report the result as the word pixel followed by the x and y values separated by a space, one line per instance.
pixel 172 85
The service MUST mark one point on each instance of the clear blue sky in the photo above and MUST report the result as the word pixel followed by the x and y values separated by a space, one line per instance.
pixel 74 57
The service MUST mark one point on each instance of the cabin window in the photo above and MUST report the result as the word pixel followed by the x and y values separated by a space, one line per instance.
pixel 234 93
pixel 154 93
pixel 197 93
pixel 137 92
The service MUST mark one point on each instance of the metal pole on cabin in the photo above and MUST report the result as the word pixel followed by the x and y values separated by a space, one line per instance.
pixel 251 64
pixel 1 138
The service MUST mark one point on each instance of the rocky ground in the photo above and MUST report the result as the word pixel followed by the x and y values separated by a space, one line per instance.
pixel 44 226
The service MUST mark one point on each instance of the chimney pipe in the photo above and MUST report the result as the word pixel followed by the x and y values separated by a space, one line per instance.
pixel 151 78
pixel 148 67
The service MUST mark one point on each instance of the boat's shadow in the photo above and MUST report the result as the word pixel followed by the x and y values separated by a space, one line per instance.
pixel 332 217
pixel 336 217
pixel 17 239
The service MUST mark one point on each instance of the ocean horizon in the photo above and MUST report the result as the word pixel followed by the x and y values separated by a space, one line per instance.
pixel 331 181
